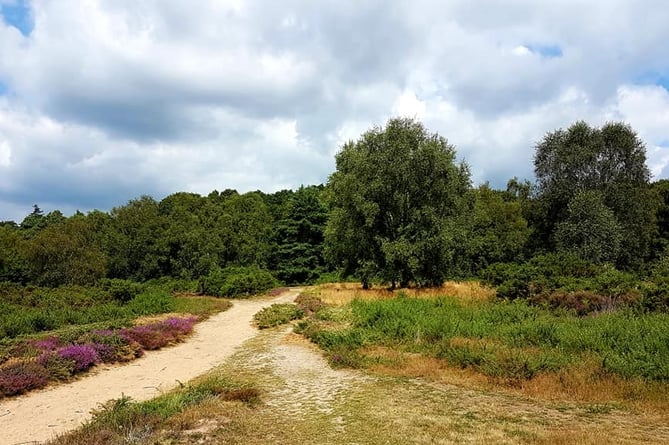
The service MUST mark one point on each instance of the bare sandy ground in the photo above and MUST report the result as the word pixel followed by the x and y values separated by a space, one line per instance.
pixel 39 416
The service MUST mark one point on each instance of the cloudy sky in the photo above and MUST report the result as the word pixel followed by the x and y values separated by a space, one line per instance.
pixel 103 101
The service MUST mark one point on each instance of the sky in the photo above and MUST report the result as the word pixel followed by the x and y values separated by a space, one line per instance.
pixel 104 101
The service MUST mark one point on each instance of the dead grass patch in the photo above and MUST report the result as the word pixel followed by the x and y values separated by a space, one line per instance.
pixel 581 383
pixel 339 294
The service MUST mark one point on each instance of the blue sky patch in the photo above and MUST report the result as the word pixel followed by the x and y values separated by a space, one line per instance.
pixel 3 89
pixel 17 14
pixel 654 78
pixel 547 51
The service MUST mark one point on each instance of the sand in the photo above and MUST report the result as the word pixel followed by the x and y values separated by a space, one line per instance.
pixel 39 416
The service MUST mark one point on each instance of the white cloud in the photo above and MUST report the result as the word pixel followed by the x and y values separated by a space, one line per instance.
pixel 5 154
pixel 110 100
pixel 521 50
pixel 407 104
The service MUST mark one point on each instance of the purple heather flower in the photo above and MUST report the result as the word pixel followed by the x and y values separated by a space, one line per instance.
pixel 84 356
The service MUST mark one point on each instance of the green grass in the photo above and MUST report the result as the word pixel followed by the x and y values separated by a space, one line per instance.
pixel 26 311
pixel 277 314
pixel 125 421
pixel 51 309
pixel 506 339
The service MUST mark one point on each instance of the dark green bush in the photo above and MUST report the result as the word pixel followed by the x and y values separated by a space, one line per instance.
pixel 561 281
pixel 121 290
pixel 238 281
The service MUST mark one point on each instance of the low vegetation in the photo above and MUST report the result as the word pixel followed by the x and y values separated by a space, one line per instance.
pixel 31 364
pixel 126 421
pixel 509 342
pixel 277 314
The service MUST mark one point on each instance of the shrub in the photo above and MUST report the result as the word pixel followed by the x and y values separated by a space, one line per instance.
pixel 21 376
pixel 277 314
pixel 148 337
pixel 179 326
pixel 83 356
pixel 111 345
pixel 580 302
pixel 50 343
pixel 59 368
pixel 238 281
pixel 564 281
pixel 121 290
pixel 151 302
pixel 310 304
pixel 654 297
pixel 157 335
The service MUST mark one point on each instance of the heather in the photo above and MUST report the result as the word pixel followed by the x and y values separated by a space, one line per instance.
pixel 32 363
pixel 29 310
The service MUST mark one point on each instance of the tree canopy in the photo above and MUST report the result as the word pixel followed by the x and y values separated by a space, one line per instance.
pixel 393 196
pixel 611 161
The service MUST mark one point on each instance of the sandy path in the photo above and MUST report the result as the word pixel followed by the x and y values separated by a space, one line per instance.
pixel 41 415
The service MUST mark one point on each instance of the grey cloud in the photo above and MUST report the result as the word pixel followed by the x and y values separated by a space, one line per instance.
pixel 111 100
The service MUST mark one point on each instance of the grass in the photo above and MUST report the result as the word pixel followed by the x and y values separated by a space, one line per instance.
pixel 125 421
pixel 296 398
pixel 314 404
pixel 33 310
pixel 277 314
pixel 479 342
pixel 338 294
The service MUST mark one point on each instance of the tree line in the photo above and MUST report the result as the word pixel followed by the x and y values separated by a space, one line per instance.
pixel 399 209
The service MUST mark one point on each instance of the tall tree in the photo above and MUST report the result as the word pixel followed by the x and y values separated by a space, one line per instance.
pixel 297 254
pixel 138 249
pixel 497 230
pixel 65 253
pixel 610 160
pixel 591 230
pixel 394 195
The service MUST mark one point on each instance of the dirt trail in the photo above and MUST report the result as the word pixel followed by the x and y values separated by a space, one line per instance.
pixel 39 416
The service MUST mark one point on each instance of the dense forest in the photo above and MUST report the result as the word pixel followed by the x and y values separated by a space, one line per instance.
pixel 591 232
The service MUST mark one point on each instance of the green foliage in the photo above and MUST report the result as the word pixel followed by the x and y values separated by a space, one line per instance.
pixel 277 314
pixel 496 231
pixel 609 160
pixel 32 310
pixel 298 238
pixel 565 281
pixel 237 281
pixel 395 196
pixel 121 290
pixel 590 229
pixel 512 340
pixel 246 228
pixel 64 253
pixel 135 244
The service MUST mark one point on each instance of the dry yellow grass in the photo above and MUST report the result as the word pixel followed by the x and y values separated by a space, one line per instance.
pixel 582 383
pixel 339 294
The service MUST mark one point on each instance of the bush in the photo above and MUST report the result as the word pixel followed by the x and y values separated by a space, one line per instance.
pixel 561 281
pixel 21 376
pixel 237 281
pixel 148 337
pixel 309 304
pixel 121 290
pixel 277 314
pixel 83 356
pixel 157 335
pixel 579 302
pixel 59 368
pixel 112 345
